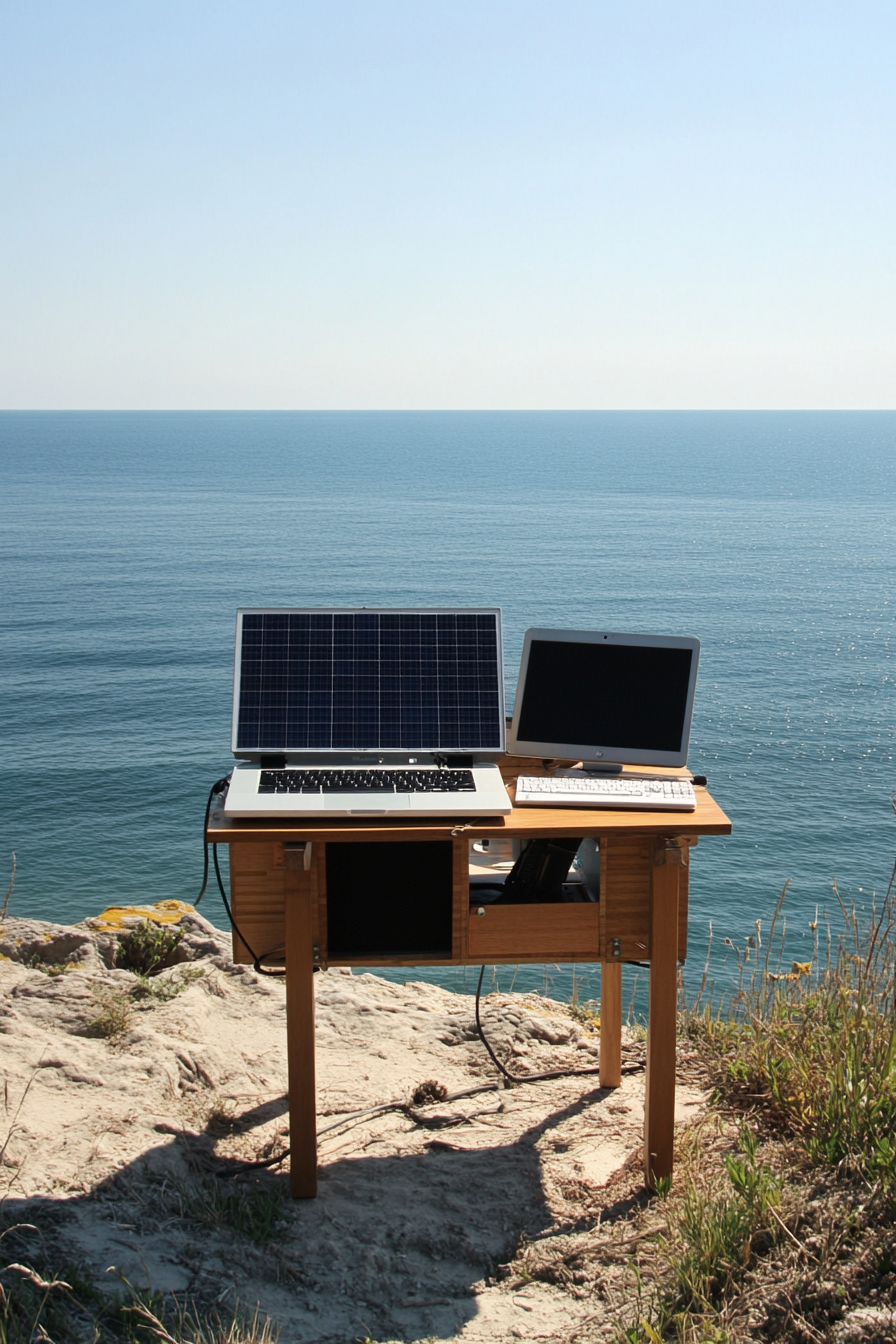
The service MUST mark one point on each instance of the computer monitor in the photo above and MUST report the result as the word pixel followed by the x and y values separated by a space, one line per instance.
pixel 603 698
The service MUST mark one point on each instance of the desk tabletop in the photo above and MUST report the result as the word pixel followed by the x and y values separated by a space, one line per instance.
pixel 530 823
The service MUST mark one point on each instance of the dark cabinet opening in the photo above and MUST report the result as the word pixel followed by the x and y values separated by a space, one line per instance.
pixel 389 899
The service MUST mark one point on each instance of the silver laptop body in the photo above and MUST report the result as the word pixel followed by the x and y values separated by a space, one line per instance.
pixel 368 712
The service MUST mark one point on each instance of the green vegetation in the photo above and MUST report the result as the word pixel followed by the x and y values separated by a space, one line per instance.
pixel 117 1006
pixel 721 1217
pixel 148 948
pixel 779 1221
pixel 807 1057
pixel 815 1051
pixel 586 1014
pixel 717 1229
pixel 114 1018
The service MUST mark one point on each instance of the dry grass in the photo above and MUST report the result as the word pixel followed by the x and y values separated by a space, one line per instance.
pixel 814 1048
pixel 187 1326
pixel 117 1006
pixel 41 1301
pixel 115 1016
pixel 255 1213
pixel 780 1220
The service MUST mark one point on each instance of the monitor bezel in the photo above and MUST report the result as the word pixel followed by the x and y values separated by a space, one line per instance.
pixel 596 753
pixel 343 753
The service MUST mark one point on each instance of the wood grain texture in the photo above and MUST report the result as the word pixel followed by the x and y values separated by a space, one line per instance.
pixel 533 933
pixel 523 823
pixel 659 1104
pixel 460 898
pixel 257 899
pixel 300 1036
pixel 683 878
pixel 625 897
pixel 319 902
pixel 611 1024
pixel 257 886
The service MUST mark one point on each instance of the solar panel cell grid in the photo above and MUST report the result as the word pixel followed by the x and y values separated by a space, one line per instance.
pixel 397 680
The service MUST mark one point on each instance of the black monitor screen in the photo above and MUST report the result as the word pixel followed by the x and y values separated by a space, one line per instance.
pixel 619 696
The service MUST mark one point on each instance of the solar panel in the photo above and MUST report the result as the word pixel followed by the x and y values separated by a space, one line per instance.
pixel 311 680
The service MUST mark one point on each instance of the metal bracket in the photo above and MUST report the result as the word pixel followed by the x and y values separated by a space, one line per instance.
pixel 671 851
pixel 291 854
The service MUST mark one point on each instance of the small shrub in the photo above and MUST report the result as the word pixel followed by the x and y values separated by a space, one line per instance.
pixel 151 990
pixel 714 1225
pixel 148 948
pixel 222 1119
pixel 114 1018
pixel 588 1014
pixel 50 968
pixel 717 1230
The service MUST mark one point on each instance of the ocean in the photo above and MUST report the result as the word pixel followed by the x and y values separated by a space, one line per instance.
pixel 129 539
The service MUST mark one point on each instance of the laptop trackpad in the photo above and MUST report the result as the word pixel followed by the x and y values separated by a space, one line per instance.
pixel 396 804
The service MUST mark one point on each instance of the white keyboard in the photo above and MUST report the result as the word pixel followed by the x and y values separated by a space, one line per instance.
pixel 666 795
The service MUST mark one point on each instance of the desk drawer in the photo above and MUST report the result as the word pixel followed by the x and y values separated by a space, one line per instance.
pixel 534 933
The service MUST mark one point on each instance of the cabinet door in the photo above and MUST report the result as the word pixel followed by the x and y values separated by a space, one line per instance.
pixel 534 932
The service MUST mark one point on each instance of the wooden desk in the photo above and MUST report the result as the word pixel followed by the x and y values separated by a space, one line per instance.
pixel 279 891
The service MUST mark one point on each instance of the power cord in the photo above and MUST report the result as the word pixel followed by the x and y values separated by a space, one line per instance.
pixel 529 1077
pixel 256 959
pixel 355 1117
pixel 220 786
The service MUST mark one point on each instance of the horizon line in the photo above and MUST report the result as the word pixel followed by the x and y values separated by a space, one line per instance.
pixel 446 410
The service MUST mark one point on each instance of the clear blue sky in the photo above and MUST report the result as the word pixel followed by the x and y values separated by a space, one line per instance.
pixel 447 203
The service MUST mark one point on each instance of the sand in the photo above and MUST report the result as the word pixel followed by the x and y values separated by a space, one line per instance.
pixel 134 1146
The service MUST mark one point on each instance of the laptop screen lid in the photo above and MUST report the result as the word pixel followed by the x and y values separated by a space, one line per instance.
pixel 605 698
pixel 325 682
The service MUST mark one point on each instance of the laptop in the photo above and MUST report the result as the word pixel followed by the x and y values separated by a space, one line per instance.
pixel 368 712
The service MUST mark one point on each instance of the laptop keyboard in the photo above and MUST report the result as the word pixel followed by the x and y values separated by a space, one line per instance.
pixel 367 781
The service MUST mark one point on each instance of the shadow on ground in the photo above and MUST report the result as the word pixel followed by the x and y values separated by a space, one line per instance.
pixel 394 1247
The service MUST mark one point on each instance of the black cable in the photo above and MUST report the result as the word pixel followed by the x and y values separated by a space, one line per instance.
pixel 218 787
pixel 256 960
pixel 524 1077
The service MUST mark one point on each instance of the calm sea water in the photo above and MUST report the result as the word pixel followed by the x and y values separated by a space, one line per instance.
pixel 129 539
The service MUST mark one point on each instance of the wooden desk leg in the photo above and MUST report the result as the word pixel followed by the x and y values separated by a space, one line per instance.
pixel 610 1023
pixel 300 1037
pixel 659 1102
